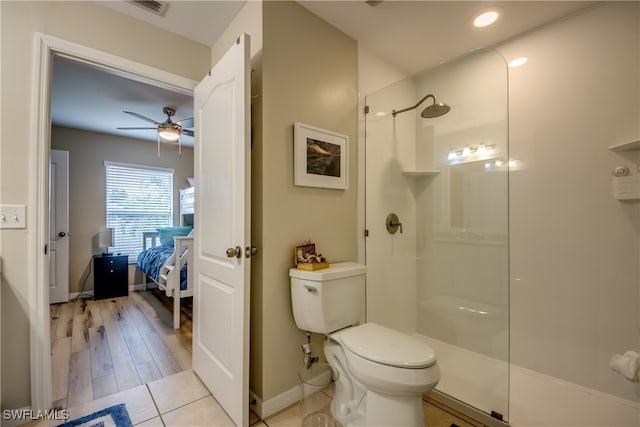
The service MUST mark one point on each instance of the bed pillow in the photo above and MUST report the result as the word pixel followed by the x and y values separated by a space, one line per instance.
pixel 167 234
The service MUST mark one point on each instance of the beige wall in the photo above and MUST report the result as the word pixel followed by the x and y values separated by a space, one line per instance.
pixel 309 74
pixel 249 21
pixel 91 25
pixel 87 201
pixel 303 70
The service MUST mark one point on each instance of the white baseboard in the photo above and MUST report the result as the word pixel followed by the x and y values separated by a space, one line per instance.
pixel 277 403
pixel 142 287
pixel 75 295
pixel 255 404
pixel 134 287
pixel 287 398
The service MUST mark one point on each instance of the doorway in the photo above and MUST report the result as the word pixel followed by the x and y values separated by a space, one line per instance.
pixel 125 341
pixel 46 49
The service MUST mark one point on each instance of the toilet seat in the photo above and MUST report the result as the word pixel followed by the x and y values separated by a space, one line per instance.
pixel 386 346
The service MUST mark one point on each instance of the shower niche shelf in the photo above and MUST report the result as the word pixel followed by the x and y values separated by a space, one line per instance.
pixel 421 173
pixel 627 146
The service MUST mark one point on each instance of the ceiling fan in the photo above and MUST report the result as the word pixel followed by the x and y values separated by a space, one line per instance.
pixel 168 131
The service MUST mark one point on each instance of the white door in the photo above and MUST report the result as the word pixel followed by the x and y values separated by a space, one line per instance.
pixel 59 227
pixel 222 231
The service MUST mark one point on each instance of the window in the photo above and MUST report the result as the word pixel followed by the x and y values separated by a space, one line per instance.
pixel 139 198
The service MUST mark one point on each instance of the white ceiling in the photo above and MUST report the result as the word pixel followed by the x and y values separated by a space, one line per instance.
pixel 199 20
pixel 416 35
pixel 410 35
pixel 93 99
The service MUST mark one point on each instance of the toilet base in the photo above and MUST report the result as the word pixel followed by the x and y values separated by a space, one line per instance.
pixel 400 411
pixel 385 411
pixel 354 405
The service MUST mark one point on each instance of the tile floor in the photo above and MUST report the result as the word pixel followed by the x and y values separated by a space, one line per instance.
pixel 158 404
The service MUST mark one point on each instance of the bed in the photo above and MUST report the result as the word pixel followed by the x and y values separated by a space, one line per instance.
pixel 166 257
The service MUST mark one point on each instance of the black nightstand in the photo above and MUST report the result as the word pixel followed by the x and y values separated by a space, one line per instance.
pixel 110 276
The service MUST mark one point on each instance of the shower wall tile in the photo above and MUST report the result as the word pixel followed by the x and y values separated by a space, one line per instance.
pixel 574 248
pixel 391 260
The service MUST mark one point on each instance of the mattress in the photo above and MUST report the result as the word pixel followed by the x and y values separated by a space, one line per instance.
pixel 150 261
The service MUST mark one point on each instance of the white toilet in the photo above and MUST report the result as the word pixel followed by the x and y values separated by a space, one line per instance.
pixel 382 372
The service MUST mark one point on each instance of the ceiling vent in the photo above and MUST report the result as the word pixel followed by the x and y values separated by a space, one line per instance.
pixel 155 6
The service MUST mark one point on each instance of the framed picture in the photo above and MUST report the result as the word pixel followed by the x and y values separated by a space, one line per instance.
pixel 321 157
pixel 301 251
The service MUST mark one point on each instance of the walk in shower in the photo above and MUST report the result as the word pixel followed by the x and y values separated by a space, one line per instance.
pixel 439 267
pixel 441 239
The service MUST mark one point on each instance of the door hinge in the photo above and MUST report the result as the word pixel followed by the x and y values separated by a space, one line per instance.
pixel 46 249
pixel 366 233
pixel 366 109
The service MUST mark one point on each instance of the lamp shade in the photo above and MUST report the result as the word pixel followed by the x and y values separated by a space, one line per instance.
pixel 105 238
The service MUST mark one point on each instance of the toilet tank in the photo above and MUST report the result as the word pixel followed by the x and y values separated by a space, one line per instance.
pixel 329 299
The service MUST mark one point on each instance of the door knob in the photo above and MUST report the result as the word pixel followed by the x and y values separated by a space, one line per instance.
pixel 234 252
pixel 62 234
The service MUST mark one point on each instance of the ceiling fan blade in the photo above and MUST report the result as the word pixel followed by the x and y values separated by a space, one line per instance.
pixel 129 128
pixel 186 123
pixel 187 132
pixel 140 116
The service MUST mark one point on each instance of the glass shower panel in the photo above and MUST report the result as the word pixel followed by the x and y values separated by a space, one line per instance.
pixel 444 278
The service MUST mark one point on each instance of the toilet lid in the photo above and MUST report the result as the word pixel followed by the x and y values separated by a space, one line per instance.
pixel 386 346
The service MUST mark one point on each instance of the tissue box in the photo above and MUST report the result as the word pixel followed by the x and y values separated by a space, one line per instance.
pixel 626 187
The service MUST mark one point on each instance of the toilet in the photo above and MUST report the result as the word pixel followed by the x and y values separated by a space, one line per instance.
pixel 383 373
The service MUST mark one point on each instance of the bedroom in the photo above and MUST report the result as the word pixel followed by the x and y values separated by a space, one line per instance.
pixel 91 152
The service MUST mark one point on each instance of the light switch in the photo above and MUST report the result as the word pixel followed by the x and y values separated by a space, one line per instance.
pixel 13 216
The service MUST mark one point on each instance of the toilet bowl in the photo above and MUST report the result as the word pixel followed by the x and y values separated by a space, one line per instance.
pixel 382 372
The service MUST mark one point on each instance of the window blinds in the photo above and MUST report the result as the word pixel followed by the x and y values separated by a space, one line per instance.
pixel 139 198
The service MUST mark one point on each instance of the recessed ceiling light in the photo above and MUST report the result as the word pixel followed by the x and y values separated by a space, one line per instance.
pixel 518 62
pixel 486 18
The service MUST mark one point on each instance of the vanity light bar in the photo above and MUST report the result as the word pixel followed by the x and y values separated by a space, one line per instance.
pixel 460 153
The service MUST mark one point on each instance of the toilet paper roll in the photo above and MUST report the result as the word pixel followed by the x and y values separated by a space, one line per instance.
pixel 626 365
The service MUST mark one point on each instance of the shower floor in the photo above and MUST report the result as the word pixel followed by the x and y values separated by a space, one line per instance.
pixel 532 398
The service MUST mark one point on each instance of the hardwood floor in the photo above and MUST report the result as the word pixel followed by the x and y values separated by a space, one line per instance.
pixel 102 347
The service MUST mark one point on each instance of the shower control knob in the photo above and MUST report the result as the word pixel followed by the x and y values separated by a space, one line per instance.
pixel 393 223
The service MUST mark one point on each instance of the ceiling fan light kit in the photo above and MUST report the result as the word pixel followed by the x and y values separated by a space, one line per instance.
pixel 168 131
pixel 169 136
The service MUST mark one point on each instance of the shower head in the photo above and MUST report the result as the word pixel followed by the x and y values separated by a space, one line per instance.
pixel 436 109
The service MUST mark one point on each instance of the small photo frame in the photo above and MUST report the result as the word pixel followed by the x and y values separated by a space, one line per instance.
pixel 321 157
pixel 309 248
